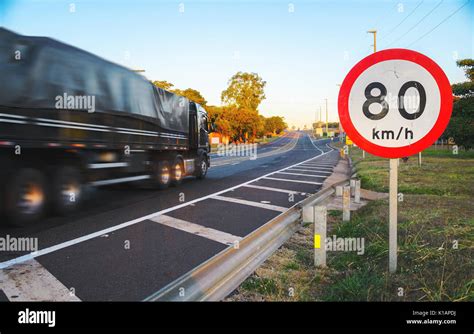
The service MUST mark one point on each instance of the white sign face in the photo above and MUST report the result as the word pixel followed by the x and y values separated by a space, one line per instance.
pixel 394 103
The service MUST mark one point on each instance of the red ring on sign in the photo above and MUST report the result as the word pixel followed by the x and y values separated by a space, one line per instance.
pixel 446 103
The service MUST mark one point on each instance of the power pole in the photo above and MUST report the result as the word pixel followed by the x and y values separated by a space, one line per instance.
pixel 327 128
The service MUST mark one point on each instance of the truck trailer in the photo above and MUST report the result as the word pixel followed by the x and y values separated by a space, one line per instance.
pixel 70 119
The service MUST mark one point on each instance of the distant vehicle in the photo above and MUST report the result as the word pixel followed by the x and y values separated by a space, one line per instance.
pixel 69 118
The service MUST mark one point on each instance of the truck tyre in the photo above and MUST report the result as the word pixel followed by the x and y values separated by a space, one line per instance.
pixel 67 190
pixel 201 167
pixel 25 197
pixel 162 175
pixel 177 172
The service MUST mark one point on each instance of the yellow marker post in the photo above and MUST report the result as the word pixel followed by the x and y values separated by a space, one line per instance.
pixel 320 219
pixel 317 241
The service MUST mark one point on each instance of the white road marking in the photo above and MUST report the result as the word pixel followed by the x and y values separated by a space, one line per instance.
pixel 202 231
pixel 317 167
pixel 288 180
pixel 93 235
pixel 251 203
pixel 308 170
pixel 30 281
pixel 320 165
pixel 273 189
pixel 313 168
pixel 299 174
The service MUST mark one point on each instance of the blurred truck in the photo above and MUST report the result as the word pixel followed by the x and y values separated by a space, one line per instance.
pixel 70 119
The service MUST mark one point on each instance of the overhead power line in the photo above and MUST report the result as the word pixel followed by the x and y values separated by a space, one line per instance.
pixel 444 20
pixel 404 19
pixel 416 24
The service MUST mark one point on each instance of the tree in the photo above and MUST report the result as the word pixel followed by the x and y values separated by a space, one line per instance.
pixel 163 84
pixel 244 123
pixel 275 124
pixel 192 94
pixel 217 116
pixel 461 125
pixel 245 91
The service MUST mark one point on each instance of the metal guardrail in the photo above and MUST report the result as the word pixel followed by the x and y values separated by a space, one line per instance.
pixel 216 278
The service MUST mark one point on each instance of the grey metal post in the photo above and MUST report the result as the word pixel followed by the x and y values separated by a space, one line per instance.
pixel 392 228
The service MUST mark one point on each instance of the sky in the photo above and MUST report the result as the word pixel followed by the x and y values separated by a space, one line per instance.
pixel 302 49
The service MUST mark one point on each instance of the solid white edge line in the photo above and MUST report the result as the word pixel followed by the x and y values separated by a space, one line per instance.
pixel 93 235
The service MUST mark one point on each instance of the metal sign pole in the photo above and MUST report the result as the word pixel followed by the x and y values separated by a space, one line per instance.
pixel 392 228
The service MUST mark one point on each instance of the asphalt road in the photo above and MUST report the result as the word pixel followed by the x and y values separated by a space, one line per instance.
pixel 127 243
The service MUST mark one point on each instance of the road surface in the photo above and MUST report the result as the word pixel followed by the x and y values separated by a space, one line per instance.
pixel 127 243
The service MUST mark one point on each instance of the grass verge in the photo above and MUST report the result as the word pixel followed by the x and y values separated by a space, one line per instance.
pixel 435 233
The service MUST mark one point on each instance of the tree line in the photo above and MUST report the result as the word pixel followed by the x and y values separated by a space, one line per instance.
pixel 461 125
pixel 238 117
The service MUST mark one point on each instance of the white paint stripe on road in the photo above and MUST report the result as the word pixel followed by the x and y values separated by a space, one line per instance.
pixel 30 281
pixel 93 235
pixel 288 180
pixel 202 231
pixel 251 203
pixel 313 168
pixel 273 189
pixel 309 170
pixel 299 174
pixel 317 167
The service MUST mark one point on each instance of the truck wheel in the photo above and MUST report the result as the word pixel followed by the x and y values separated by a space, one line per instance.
pixel 177 172
pixel 67 190
pixel 202 167
pixel 163 175
pixel 25 197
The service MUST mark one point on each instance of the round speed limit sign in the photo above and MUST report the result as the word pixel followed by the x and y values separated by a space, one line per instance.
pixel 395 103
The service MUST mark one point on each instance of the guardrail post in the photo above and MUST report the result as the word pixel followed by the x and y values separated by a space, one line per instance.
pixel 357 192
pixel 320 220
pixel 352 184
pixel 308 214
pixel 346 202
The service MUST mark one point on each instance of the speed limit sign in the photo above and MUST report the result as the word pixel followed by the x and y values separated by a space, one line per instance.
pixel 395 103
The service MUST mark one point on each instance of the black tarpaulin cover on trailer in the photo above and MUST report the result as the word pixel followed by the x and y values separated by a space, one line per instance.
pixel 36 70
